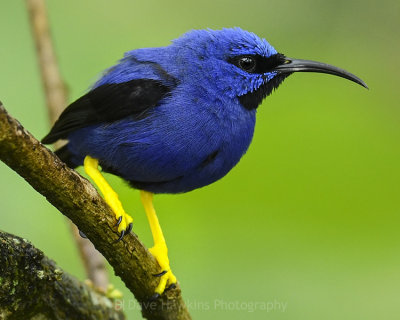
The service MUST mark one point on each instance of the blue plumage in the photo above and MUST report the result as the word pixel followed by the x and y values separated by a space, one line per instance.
pixel 173 119
pixel 207 83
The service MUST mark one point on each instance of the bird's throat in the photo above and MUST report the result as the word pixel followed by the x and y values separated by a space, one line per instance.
pixel 252 100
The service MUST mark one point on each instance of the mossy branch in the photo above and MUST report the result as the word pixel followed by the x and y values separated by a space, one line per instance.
pixel 77 199
pixel 33 286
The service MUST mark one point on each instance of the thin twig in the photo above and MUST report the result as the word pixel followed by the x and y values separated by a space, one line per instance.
pixel 77 199
pixel 54 87
pixel 56 100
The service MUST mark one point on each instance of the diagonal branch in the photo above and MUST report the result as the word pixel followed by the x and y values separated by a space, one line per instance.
pixel 77 199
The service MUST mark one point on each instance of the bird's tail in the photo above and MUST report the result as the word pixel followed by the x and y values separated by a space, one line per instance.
pixel 66 156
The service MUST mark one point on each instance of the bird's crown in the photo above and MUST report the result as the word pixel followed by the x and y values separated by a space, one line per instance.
pixel 225 42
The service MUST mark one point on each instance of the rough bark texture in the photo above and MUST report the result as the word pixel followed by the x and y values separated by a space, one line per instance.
pixel 34 287
pixel 77 199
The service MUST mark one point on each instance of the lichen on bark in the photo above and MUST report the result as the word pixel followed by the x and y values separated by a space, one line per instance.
pixel 33 287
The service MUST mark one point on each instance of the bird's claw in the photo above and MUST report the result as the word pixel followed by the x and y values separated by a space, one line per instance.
pixel 125 232
pixel 129 229
pixel 82 234
pixel 124 223
pixel 121 236
pixel 154 297
pixel 170 287
pixel 160 274
pixel 119 221
pixel 167 278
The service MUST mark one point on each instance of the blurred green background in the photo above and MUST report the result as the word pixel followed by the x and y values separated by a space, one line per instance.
pixel 308 222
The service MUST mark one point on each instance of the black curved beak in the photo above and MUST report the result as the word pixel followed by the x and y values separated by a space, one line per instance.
pixel 297 65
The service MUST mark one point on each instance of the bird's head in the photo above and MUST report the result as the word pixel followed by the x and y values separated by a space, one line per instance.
pixel 242 65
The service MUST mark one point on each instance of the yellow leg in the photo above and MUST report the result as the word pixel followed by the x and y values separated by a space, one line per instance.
pixel 110 196
pixel 159 250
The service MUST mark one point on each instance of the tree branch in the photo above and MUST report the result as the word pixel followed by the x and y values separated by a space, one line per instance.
pixel 77 199
pixel 33 285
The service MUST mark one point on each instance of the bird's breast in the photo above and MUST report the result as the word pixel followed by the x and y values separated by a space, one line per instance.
pixel 200 144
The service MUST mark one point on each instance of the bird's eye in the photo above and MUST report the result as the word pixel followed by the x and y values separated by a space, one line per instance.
pixel 256 63
pixel 247 63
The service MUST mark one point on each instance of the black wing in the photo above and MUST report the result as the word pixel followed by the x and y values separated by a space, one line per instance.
pixel 108 103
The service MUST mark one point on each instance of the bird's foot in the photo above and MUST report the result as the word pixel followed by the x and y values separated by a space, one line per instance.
pixel 167 278
pixel 124 220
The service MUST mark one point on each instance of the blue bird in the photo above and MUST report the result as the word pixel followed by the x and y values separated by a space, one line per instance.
pixel 175 118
